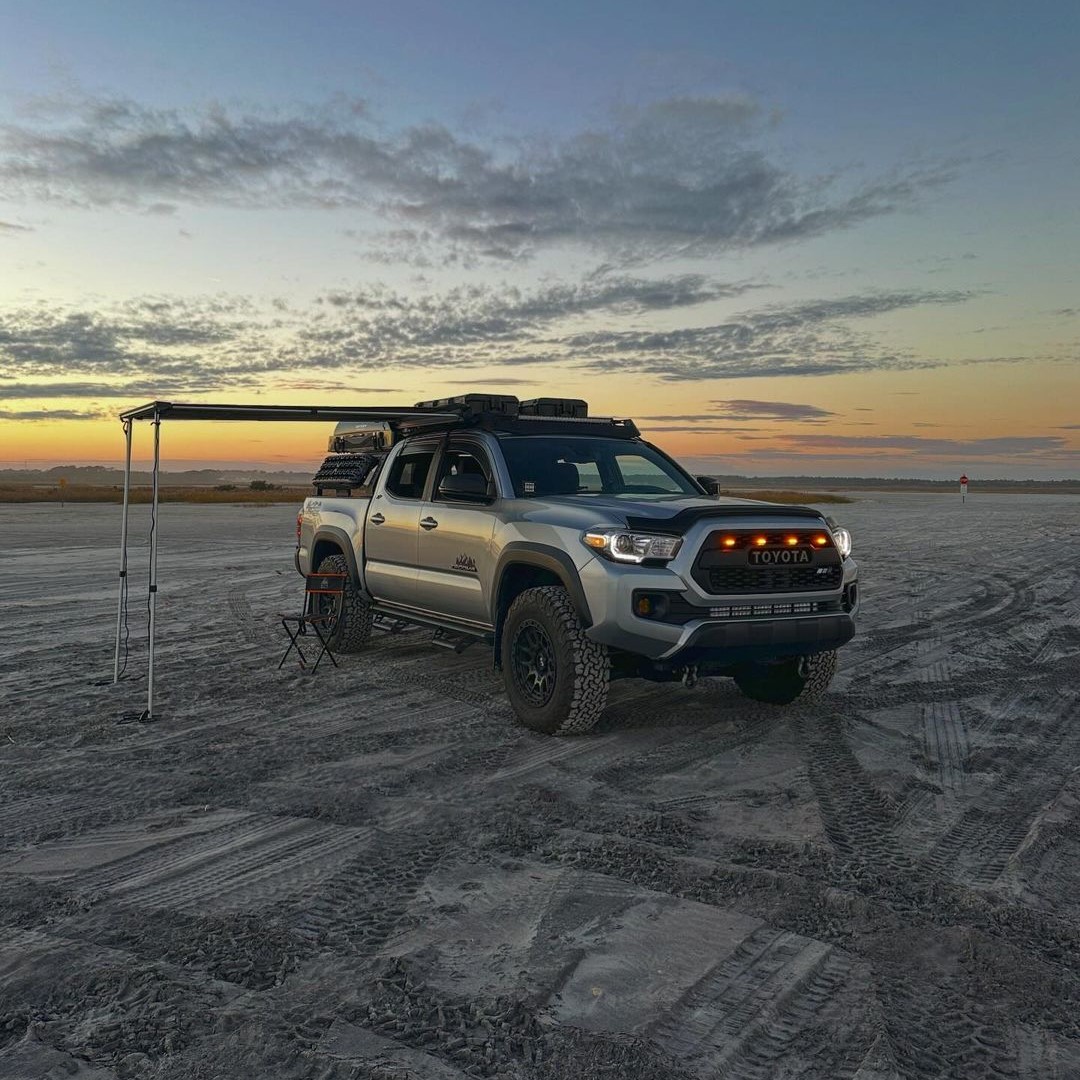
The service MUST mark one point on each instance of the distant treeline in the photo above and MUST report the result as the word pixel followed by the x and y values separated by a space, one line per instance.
pixel 98 493
pixel 911 483
pixel 103 476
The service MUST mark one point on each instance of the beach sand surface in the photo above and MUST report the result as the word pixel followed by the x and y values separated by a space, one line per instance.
pixel 373 871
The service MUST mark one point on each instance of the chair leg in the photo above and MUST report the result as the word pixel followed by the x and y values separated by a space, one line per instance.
pixel 325 651
pixel 294 643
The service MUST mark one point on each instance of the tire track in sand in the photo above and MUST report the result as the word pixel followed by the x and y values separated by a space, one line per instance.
pixel 244 865
pixel 748 1013
pixel 978 846
pixel 859 819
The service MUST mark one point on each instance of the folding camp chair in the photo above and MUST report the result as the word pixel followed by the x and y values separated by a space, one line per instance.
pixel 323 598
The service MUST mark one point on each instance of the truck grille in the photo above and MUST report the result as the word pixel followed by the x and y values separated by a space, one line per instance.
pixel 769 579
pixel 726 564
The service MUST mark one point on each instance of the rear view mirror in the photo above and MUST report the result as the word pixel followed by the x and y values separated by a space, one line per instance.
pixel 469 487
pixel 711 486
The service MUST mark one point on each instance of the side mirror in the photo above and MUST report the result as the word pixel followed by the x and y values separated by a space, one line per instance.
pixel 711 486
pixel 470 487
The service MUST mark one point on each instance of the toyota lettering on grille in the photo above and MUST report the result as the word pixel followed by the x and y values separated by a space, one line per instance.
pixel 780 556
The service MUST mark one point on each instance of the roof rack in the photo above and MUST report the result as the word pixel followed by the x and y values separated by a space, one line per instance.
pixel 376 428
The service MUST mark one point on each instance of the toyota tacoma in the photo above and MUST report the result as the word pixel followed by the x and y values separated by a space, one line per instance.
pixel 574 549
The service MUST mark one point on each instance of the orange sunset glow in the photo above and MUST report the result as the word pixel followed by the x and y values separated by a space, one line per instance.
pixel 769 275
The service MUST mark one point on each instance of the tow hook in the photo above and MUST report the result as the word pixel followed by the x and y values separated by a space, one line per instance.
pixel 689 677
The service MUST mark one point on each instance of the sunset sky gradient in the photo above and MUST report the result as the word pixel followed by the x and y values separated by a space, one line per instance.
pixel 835 238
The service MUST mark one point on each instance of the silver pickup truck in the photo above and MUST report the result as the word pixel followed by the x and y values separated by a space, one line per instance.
pixel 577 551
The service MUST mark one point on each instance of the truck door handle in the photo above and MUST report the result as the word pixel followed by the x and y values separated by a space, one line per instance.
pixel 428 523
pixel 376 519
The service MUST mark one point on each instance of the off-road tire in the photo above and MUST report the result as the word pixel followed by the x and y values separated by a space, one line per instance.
pixel 782 683
pixel 352 626
pixel 581 666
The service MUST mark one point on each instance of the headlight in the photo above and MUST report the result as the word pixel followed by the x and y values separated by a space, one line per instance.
pixel 631 547
pixel 842 539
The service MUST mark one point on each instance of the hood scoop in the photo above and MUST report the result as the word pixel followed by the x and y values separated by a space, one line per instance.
pixel 685 519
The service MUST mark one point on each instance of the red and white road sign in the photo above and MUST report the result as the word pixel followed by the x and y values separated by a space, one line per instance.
pixel 963 486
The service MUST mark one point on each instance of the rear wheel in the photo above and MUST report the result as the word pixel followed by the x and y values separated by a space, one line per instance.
pixel 798 678
pixel 556 677
pixel 351 618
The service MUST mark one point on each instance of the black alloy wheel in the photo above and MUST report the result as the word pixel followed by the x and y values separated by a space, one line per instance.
pixel 556 677
pixel 533 663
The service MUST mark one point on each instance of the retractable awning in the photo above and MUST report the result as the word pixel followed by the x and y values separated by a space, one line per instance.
pixel 157 411
pixel 171 410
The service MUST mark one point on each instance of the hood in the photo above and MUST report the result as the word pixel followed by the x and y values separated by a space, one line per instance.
pixel 671 513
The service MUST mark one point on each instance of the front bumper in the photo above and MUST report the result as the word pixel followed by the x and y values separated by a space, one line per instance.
pixel 610 587
pixel 735 642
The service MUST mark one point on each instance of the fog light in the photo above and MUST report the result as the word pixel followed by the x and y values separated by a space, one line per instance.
pixel 651 605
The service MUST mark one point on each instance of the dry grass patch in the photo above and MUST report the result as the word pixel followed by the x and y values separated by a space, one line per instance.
pixel 30 493
pixel 796 497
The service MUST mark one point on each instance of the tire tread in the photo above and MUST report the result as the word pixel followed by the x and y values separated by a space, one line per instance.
pixel 591 666
pixel 356 618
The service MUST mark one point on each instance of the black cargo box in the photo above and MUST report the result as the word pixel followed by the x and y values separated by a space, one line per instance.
pixel 572 408
pixel 506 404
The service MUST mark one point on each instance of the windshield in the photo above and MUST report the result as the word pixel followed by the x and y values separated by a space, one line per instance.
pixel 557 465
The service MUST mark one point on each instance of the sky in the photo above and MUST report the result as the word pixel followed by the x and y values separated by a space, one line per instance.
pixel 786 238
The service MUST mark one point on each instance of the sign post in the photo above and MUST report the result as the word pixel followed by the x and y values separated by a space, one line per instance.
pixel 963 488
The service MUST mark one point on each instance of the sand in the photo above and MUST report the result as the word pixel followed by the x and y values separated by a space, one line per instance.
pixel 373 872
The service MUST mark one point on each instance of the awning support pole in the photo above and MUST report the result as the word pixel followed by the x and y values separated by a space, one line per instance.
pixel 153 565
pixel 122 592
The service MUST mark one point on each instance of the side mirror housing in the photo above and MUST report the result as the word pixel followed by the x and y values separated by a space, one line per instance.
pixel 711 486
pixel 470 487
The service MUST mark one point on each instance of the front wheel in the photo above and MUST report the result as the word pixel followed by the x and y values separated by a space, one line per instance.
pixel 351 618
pixel 798 678
pixel 555 676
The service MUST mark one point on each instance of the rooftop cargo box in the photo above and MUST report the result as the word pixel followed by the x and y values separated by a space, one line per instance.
pixel 505 404
pixel 567 408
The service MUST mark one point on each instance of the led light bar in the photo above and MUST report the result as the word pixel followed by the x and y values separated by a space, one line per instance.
pixel 742 610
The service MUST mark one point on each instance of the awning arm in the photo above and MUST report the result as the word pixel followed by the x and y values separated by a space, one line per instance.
pixel 121 599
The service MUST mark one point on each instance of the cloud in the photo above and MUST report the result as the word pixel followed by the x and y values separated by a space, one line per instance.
pixel 683 417
pixel 149 388
pixel 12 227
pixel 679 175
pixel 49 414
pixel 694 429
pixel 176 341
pixel 323 385
pixel 811 338
pixel 480 384
pixel 1003 445
pixel 378 325
pixel 743 409
pixel 747 409
pixel 162 346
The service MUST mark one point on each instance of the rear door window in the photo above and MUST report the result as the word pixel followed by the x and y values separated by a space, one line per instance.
pixel 409 473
